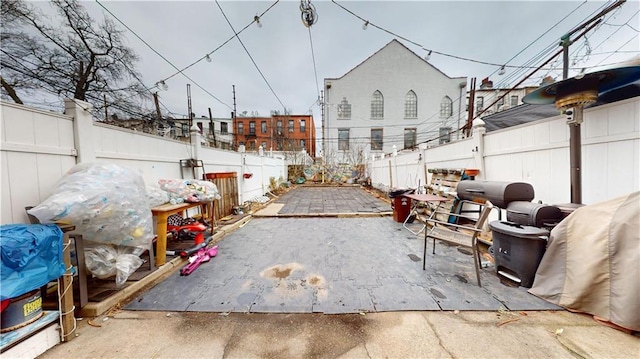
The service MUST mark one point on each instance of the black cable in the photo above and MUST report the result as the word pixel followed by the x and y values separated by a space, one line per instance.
pixel 315 69
pixel 161 56
pixel 251 57
pixel 224 43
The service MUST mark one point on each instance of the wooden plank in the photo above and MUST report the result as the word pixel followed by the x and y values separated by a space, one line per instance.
pixel 455 237
pixel 33 339
pixel 65 291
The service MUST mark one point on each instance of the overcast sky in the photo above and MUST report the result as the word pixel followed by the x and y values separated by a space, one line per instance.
pixel 493 32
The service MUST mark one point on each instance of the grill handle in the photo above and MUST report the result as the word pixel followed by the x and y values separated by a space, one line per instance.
pixel 475 190
pixel 518 212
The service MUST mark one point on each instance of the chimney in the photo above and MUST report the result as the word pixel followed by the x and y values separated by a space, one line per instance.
pixel 547 81
pixel 486 84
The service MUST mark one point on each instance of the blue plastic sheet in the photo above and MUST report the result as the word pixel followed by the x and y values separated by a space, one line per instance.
pixel 31 257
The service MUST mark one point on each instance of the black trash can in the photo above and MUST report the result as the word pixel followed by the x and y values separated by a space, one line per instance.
pixel 518 250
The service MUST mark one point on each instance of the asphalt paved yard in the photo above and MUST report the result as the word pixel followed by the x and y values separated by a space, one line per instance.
pixel 332 265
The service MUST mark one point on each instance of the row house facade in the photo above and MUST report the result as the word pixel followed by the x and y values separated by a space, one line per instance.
pixel 280 133
pixel 492 100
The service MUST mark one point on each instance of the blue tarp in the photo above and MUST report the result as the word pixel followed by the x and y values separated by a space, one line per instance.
pixel 31 257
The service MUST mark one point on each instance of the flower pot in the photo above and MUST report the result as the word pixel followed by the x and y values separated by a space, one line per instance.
pixel 471 172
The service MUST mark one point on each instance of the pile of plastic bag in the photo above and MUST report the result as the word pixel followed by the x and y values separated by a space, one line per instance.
pixel 108 205
pixel 189 190
pixel 157 196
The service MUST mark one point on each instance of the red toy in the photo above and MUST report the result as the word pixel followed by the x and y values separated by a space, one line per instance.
pixel 186 229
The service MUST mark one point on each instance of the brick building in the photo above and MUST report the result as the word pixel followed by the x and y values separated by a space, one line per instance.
pixel 277 133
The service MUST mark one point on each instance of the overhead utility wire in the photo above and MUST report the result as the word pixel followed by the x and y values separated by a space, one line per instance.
pixel 315 69
pixel 542 54
pixel 413 42
pixel 544 33
pixel 623 45
pixel 524 79
pixel 161 56
pixel 251 57
pixel 224 43
pixel 613 33
pixel 610 35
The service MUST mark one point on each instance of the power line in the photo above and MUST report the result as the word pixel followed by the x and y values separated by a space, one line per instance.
pixel 161 56
pixel 251 57
pixel 623 45
pixel 369 23
pixel 315 69
pixel 224 43
pixel 544 33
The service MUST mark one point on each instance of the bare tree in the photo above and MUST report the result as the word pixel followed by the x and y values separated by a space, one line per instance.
pixel 71 56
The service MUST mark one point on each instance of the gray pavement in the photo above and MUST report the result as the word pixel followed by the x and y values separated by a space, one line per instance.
pixel 288 268
pixel 432 334
pixel 327 199
pixel 333 265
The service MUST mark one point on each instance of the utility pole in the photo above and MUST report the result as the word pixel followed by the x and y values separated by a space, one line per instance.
pixel 157 103
pixel 575 142
pixel 106 113
pixel 233 118
pixel 189 106
pixel 324 149
pixel 212 129
pixel 322 118
pixel 462 85
pixel 472 95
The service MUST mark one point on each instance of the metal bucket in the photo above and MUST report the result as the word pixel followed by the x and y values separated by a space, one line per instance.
pixel 21 311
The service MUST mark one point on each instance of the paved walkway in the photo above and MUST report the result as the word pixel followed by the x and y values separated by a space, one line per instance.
pixel 326 199
pixel 332 265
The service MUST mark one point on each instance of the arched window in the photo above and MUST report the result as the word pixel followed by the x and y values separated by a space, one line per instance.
pixel 377 106
pixel 411 105
pixel 446 107
pixel 344 110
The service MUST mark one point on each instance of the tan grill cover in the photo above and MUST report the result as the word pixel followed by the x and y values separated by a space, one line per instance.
pixel 592 262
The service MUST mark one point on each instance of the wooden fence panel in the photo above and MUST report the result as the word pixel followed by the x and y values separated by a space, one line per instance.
pixel 227 183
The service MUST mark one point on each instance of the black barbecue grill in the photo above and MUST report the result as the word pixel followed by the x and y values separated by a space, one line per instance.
pixel 519 242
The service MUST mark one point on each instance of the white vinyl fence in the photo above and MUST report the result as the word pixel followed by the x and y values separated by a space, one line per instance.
pixel 38 147
pixel 537 153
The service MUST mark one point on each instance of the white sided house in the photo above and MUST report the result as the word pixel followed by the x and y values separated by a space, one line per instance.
pixel 393 98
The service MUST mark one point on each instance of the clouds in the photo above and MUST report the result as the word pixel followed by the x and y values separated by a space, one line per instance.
pixel 184 31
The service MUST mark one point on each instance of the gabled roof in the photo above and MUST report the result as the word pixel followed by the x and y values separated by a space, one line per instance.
pixel 385 46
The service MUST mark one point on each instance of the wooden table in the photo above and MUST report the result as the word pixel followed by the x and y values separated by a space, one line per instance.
pixel 416 199
pixel 162 212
